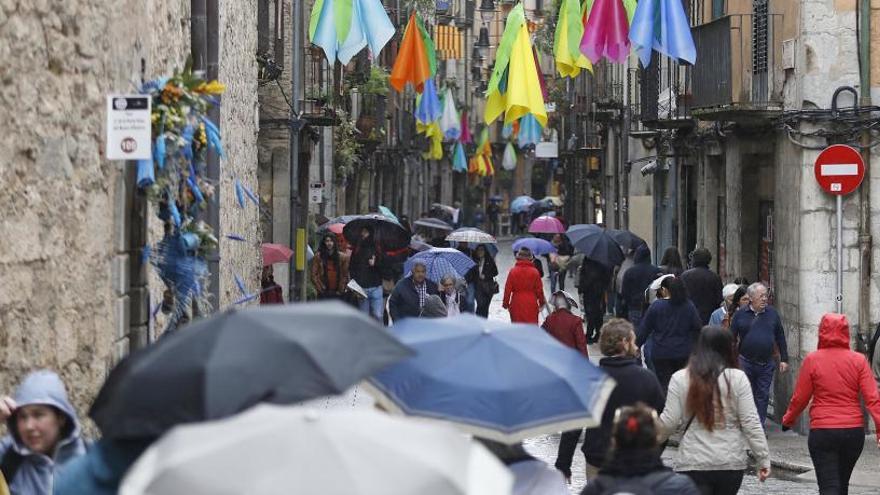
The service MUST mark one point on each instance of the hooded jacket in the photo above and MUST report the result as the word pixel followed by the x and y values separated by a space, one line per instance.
pixel 704 289
pixel 568 329
pixel 639 469
pixel 637 279
pixel 36 473
pixel 523 293
pixel 834 376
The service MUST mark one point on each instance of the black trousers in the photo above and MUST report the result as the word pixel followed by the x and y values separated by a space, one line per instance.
pixel 716 482
pixel 483 300
pixel 594 314
pixel 568 443
pixel 665 368
pixel 835 452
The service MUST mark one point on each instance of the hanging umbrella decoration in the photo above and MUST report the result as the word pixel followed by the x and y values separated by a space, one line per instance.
pixel 566 43
pixel 529 132
pixel 428 112
pixel 481 163
pixel 450 123
pixel 342 28
pixel 416 60
pixel 465 137
pixel 605 33
pixel 508 162
pixel 515 88
pixel 459 159
pixel 662 25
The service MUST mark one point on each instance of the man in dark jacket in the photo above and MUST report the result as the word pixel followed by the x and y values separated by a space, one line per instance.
pixel 409 295
pixel 758 331
pixel 365 269
pixel 703 285
pixel 636 280
pixel 634 384
pixel 593 282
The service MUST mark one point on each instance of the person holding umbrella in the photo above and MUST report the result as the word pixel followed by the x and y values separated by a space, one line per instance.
pixel 635 282
pixel 366 260
pixel 486 286
pixel 330 269
pixel 523 291
pixel 409 295
pixel 593 281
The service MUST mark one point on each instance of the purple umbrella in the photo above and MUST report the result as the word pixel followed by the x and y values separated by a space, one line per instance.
pixel 546 225
pixel 538 247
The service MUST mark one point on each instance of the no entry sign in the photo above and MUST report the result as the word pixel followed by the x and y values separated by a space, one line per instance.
pixel 839 169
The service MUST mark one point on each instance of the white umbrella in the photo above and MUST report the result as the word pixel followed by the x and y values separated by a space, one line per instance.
pixel 471 235
pixel 275 450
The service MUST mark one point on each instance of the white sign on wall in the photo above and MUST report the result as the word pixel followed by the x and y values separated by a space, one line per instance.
pixel 547 149
pixel 128 128
pixel 316 193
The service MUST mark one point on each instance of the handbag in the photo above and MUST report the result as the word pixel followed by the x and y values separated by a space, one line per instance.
pixel 489 287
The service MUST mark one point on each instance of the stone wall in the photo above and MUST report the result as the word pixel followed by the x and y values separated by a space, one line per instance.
pixel 63 252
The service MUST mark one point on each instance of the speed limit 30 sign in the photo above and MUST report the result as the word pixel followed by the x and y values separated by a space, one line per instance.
pixel 839 169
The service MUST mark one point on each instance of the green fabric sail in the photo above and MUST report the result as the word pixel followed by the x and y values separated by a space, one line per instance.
pixel 429 45
pixel 342 15
pixel 314 18
pixel 515 20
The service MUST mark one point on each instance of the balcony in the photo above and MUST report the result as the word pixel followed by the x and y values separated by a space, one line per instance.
pixel 665 95
pixel 736 77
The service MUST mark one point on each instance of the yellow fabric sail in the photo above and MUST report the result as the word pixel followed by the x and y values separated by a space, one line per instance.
pixel 523 93
pixel 566 45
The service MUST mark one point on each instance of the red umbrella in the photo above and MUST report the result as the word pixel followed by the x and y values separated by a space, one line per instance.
pixel 275 253
pixel 336 228
pixel 546 225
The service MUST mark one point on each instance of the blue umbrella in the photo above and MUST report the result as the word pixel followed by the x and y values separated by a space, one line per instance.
pixel 538 247
pixel 440 262
pixel 521 203
pixel 388 213
pixel 497 380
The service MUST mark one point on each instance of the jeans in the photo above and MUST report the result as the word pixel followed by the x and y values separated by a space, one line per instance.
pixel 834 452
pixel 568 443
pixel 561 275
pixel 553 275
pixel 665 368
pixel 716 482
pixel 760 376
pixel 374 303
pixel 470 296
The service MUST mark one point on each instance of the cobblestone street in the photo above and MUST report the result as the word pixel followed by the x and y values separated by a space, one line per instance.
pixel 545 447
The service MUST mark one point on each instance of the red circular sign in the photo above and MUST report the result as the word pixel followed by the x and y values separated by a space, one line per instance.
pixel 839 169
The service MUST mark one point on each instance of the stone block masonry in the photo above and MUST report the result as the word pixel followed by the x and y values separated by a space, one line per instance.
pixel 61 215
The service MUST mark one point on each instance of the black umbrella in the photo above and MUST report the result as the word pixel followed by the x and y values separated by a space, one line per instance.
pixel 433 223
pixel 626 239
pixel 388 233
pixel 596 244
pixel 220 366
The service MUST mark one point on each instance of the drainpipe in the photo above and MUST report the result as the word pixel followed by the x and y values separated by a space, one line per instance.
pixel 297 232
pixel 863 29
pixel 199 54
pixel 212 11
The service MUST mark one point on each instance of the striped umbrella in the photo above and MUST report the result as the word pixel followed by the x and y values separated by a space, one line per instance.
pixel 440 262
pixel 471 235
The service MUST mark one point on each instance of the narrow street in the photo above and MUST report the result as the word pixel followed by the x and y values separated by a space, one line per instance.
pixel 545 447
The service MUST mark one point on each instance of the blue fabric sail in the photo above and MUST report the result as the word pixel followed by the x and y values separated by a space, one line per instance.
pixel 429 108
pixel 459 160
pixel 529 131
pixel 662 25
pixel 370 26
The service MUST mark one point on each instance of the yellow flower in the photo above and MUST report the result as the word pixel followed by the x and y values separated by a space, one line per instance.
pixel 212 88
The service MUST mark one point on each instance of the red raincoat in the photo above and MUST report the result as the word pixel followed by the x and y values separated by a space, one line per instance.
pixel 834 376
pixel 567 329
pixel 523 293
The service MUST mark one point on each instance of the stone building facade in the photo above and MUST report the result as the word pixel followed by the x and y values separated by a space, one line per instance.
pixel 69 270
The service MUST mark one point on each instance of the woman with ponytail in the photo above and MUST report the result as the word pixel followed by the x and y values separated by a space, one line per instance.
pixel 711 402
pixel 634 465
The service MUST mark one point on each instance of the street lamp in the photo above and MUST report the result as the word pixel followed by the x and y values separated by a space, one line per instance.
pixel 487 10
pixel 482 44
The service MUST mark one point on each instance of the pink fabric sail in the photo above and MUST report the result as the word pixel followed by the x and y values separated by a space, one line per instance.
pixel 465 137
pixel 606 32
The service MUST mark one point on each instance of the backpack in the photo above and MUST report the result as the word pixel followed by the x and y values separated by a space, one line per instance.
pixel 639 485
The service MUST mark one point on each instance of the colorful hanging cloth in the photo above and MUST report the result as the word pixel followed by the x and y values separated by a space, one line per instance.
pixel 566 42
pixel 605 33
pixel 459 160
pixel 428 107
pixel 509 160
pixel 662 25
pixel 450 123
pixel 342 28
pixel 529 131
pixel 465 129
pixel 416 61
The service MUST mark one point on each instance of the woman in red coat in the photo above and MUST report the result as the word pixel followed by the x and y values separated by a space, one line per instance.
pixel 523 291
pixel 834 377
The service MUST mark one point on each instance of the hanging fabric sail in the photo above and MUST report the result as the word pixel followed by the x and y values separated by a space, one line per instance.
pixel 450 123
pixel 481 163
pixel 662 25
pixel 459 160
pixel 428 108
pixel 515 88
pixel 509 160
pixel 465 129
pixel 605 33
pixel 342 28
pixel 566 43
pixel 432 131
pixel 630 6
pixel 529 131
pixel 413 64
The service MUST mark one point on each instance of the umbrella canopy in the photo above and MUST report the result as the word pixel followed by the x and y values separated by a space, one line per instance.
pixel 442 207
pixel 419 246
pixel 521 204
pixel 538 247
pixel 388 233
pixel 336 228
pixel 553 200
pixel 501 381
pixel 275 253
pixel 433 223
pixel 626 239
pixel 440 262
pixel 270 450
pixel 344 219
pixel 471 235
pixel 546 225
pixel 596 244
pixel 388 213
pixel 219 366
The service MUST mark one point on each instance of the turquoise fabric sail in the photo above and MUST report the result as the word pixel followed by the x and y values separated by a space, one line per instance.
pixel 662 25
pixel 529 131
pixel 342 28
pixel 459 160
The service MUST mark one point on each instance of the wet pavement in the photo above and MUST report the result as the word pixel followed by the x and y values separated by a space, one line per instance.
pixel 545 447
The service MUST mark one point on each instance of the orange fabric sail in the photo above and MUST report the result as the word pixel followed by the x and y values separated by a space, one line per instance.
pixel 412 64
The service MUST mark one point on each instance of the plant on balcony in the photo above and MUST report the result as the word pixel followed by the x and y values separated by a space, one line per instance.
pixel 373 92
pixel 425 8
pixel 346 147
pixel 546 32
